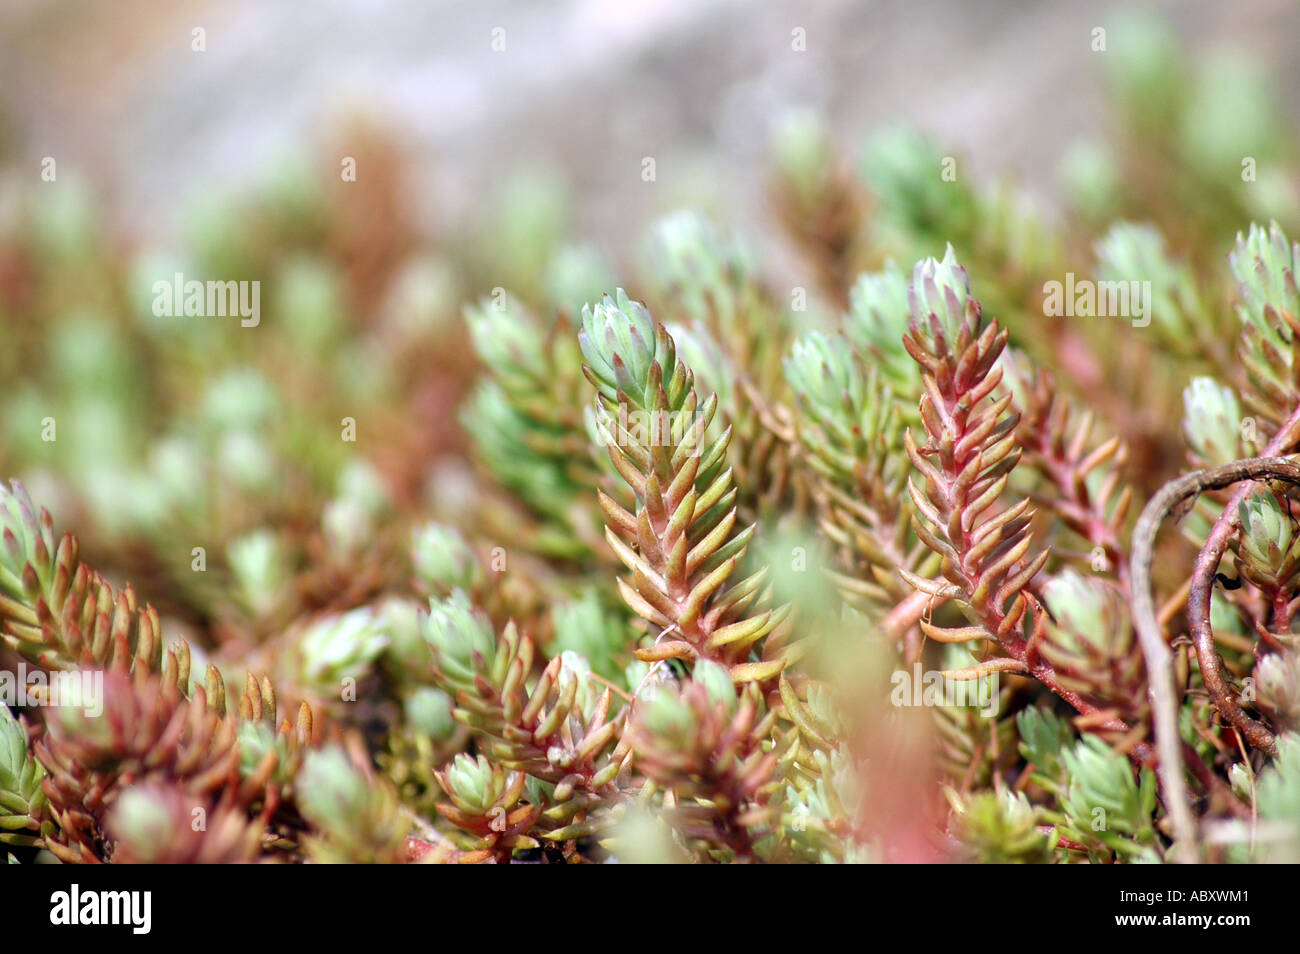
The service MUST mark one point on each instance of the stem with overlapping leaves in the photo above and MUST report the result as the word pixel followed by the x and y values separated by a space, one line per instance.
pixel 677 534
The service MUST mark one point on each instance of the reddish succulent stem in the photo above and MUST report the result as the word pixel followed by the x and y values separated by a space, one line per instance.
pixel 1281 622
pixel 962 432
pixel 1207 564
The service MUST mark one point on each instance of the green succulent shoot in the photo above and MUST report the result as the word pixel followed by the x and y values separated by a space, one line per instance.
pixel 1265 263
pixel 853 416
pixel 358 818
pixel 577 274
pixel 620 343
pixel 717 683
pixel 261 567
pixel 1001 828
pixel 256 739
pixel 21 795
pixel 350 519
pixel 804 152
pixel 429 712
pixel 668 718
pixel 141 820
pixel 1278 677
pixel 1044 736
pixel 714 371
pixel 1090 639
pixel 899 165
pixel 1268 547
pixel 575 672
pixel 690 261
pixel 400 621
pixel 475 785
pixel 830 382
pixel 337 647
pixel 681 538
pixel 1104 803
pixel 583 625
pixel 1087 612
pixel 461 639
pixel 940 292
pixel 333 791
pixel 876 322
pixel 1211 421
pixel 27 558
pixel 509 340
pixel 1278 799
pixel 1130 252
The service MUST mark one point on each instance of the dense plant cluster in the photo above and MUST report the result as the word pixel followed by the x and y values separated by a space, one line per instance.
pixel 722 568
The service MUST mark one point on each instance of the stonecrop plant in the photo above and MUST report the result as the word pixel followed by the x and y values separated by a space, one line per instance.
pixel 980 543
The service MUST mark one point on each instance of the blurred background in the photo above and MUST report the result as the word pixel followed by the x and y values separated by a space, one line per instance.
pixel 583 87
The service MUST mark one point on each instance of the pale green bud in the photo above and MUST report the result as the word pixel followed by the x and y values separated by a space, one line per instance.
pixel 310 303
pixel 428 711
pixel 443 560
pixel 509 340
pixel 331 792
pixel 1211 421
pixel 460 636
pixel 142 819
pixel 240 399
pixel 585 627
pixel 347 525
pixel 1130 252
pixel 1267 541
pixel 1278 678
pixel 473 783
pixel 574 668
pixel 702 354
pixel 577 274
pixel 877 321
pixel 1265 265
pixel 1240 780
pixel 622 327
pixel 361 481
pixel 1101 778
pixel 668 716
pixel 20 774
pixel 261 568
pixel 1088 610
pixel 940 288
pixel 828 380
pixel 244 460
pixel 688 258
pixel 339 646
pixel 400 621
pixel 804 151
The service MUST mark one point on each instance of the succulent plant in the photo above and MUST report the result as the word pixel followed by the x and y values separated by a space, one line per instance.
pixel 657 578
pixel 22 798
